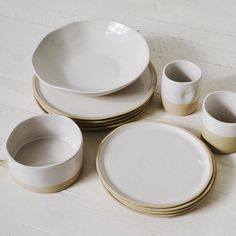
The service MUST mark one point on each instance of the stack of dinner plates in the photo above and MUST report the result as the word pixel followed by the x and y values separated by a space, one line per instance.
pixel 96 72
pixel 156 168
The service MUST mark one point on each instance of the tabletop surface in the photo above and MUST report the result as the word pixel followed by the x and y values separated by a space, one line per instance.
pixel 201 31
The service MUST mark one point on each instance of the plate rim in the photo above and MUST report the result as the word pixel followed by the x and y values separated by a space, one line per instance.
pixel 200 197
pixel 40 98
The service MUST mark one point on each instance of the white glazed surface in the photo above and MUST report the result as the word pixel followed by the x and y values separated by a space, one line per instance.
pixel 154 163
pixel 203 31
pixel 85 107
pixel 43 152
pixel 219 113
pixel 180 82
pixel 36 156
pixel 93 57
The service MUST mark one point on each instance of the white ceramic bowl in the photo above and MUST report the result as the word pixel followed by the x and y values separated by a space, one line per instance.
pixel 93 57
pixel 45 153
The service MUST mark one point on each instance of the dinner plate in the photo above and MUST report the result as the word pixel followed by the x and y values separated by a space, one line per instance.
pixel 162 214
pixel 170 166
pixel 92 57
pixel 82 107
pixel 110 124
pixel 170 210
pixel 47 109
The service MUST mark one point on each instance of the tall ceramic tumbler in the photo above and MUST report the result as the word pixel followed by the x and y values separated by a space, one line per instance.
pixel 180 87
pixel 219 121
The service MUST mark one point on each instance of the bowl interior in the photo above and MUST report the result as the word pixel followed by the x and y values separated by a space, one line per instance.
pixel 44 140
pixel 183 71
pixel 221 106
pixel 91 56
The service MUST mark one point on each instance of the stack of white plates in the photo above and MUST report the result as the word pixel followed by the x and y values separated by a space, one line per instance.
pixel 96 72
pixel 156 168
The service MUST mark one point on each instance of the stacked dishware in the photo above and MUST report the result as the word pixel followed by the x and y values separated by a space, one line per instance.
pixel 164 170
pixel 96 72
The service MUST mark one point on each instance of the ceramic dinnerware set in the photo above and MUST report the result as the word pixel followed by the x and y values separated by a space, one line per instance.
pixel 97 74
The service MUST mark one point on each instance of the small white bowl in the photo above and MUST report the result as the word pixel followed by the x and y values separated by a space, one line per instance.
pixel 45 153
pixel 93 57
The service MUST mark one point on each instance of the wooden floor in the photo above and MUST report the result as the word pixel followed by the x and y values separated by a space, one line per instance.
pixel 201 31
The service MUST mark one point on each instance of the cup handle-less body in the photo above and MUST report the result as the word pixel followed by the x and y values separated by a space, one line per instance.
pixel 180 87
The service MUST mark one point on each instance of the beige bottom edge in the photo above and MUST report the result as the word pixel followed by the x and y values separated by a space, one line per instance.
pixel 174 211
pixel 179 110
pixel 217 143
pixel 50 189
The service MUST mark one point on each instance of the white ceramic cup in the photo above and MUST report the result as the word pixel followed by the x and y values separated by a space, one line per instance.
pixel 219 121
pixel 44 153
pixel 180 87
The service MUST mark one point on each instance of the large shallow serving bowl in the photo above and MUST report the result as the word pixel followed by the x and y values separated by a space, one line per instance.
pixel 93 57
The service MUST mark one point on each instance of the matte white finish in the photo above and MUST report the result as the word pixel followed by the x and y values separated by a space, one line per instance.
pixel 154 163
pixel 45 150
pixel 219 113
pixel 200 31
pixel 93 57
pixel 180 82
pixel 86 107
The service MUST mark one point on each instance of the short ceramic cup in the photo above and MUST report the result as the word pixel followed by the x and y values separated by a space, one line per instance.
pixel 44 153
pixel 180 87
pixel 219 121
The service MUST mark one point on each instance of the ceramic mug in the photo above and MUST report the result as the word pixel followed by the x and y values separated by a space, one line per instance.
pixel 44 153
pixel 219 121
pixel 180 87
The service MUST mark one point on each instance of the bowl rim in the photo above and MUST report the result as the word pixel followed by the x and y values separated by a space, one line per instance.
pixel 75 152
pixel 212 117
pixel 182 82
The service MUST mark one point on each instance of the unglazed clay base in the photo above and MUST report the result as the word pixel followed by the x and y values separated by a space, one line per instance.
pixel 219 143
pixel 179 110
pixel 50 189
